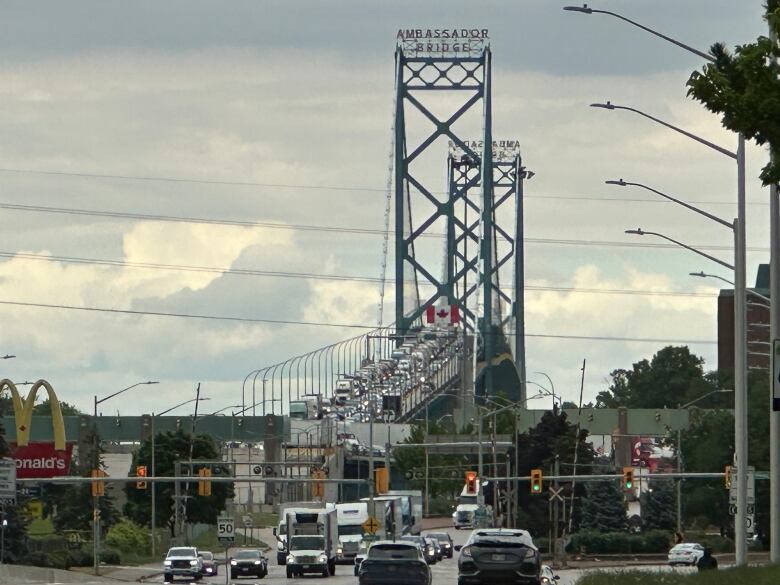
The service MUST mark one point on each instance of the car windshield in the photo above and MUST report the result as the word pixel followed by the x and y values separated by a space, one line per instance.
pixel 440 536
pixel 415 539
pixel 206 556
pixel 353 530
pixel 307 543
pixel 181 552
pixel 392 551
pixel 248 554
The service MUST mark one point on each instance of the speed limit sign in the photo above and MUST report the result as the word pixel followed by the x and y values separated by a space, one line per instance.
pixel 226 533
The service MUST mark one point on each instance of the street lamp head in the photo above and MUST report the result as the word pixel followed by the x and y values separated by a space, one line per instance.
pixel 619 182
pixel 151 382
pixel 584 9
pixel 700 274
pixel 607 106
pixel 636 232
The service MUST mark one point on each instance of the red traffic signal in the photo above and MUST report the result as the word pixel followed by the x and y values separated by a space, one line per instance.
pixel 140 471
pixel 471 483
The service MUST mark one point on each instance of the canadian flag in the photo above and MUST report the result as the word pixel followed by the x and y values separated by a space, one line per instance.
pixel 442 316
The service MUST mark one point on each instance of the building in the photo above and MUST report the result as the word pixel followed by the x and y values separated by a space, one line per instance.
pixel 757 325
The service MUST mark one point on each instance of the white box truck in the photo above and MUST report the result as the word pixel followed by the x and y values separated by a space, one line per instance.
pixel 312 541
pixel 351 517
pixel 412 508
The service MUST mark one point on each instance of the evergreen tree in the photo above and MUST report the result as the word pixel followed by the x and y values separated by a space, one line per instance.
pixel 659 505
pixel 602 507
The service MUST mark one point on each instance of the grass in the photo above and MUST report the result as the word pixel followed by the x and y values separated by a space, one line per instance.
pixel 769 575
pixel 208 541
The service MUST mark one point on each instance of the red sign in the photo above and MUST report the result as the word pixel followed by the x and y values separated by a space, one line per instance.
pixel 41 460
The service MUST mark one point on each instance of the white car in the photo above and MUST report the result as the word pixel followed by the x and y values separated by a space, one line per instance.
pixel 686 553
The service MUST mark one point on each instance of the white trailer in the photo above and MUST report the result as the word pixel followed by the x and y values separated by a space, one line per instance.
pixel 351 517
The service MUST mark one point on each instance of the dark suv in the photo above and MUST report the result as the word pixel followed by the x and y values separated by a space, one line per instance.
pixel 499 557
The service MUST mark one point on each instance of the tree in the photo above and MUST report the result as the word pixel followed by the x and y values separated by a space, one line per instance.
pixel 672 377
pixel 603 509
pixel 538 448
pixel 171 447
pixel 74 504
pixel 44 409
pixel 658 505
pixel 744 87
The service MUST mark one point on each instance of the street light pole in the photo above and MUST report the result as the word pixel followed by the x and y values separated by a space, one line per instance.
pixel 740 313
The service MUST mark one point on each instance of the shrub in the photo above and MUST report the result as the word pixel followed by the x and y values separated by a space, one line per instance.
pixel 128 536
pixel 652 542
pixel 110 557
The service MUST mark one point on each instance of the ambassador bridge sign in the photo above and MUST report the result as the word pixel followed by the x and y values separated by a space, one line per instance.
pixel 41 459
pixel 445 41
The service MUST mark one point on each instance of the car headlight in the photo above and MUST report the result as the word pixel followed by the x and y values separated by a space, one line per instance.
pixel 234 563
pixel 323 558
pixel 193 562
pixel 545 580
pixel 258 562
pixel 290 559
pixel 465 552
pixel 167 563
pixel 339 550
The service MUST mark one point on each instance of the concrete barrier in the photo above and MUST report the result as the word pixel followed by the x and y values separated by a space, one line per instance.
pixel 24 575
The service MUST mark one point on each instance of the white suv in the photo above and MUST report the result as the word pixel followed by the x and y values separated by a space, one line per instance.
pixel 182 561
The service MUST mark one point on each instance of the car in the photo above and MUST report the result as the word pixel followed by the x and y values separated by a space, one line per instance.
pixel 445 541
pixel 208 563
pixel 436 547
pixel 499 555
pixel 685 553
pixel 426 547
pixel 248 562
pixel 548 576
pixel 182 561
pixel 390 563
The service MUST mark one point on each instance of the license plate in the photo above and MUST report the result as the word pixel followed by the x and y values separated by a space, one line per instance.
pixel 499 557
pixel 245 569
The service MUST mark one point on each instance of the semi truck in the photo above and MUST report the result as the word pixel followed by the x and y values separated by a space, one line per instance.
pixel 412 509
pixel 280 532
pixel 307 408
pixel 351 517
pixel 312 541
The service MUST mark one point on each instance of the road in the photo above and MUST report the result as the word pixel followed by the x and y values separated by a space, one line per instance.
pixel 444 572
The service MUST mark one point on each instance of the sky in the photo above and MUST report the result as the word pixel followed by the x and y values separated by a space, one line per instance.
pixel 280 112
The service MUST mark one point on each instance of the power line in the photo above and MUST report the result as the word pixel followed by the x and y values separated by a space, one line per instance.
pixel 314 276
pixel 320 323
pixel 358 189
pixel 336 229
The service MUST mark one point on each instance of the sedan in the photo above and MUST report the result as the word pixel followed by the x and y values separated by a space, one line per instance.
pixel 248 563
pixel 390 563
pixel 208 563
pixel 445 542
pixel 685 553
pixel 426 547
pixel 495 555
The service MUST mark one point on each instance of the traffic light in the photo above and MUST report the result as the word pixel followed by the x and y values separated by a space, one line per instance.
pixel 98 487
pixel 727 477
pixel 628 478
pixel 140 471
pixel 381 480
pixel 536 481
pixel 472 487
pixel 318 487
pixel 204 485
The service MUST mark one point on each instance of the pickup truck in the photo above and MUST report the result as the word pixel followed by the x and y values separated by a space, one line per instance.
pixel 182 561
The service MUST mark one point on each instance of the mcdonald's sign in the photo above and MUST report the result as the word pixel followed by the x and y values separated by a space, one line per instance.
pixel 39 459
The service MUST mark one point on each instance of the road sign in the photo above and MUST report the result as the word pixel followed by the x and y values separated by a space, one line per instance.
pixel 750 524
pixel 226 533
pixel 247 521
pixel 8 480
pixel 751 486
pixel 371 525
pixel 733 509
pixel 555 493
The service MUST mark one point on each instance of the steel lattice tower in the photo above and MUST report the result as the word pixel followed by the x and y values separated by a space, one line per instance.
pixel 420 77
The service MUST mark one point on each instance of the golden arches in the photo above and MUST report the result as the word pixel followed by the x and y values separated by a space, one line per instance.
pixel 23 411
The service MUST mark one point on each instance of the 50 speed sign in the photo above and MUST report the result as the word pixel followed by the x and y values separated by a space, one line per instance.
pixel 226 532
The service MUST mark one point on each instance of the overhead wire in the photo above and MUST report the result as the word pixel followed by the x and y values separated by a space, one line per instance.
pixel 320 323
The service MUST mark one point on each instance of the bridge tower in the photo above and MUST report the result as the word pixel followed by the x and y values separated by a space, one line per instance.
pixel 446 85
